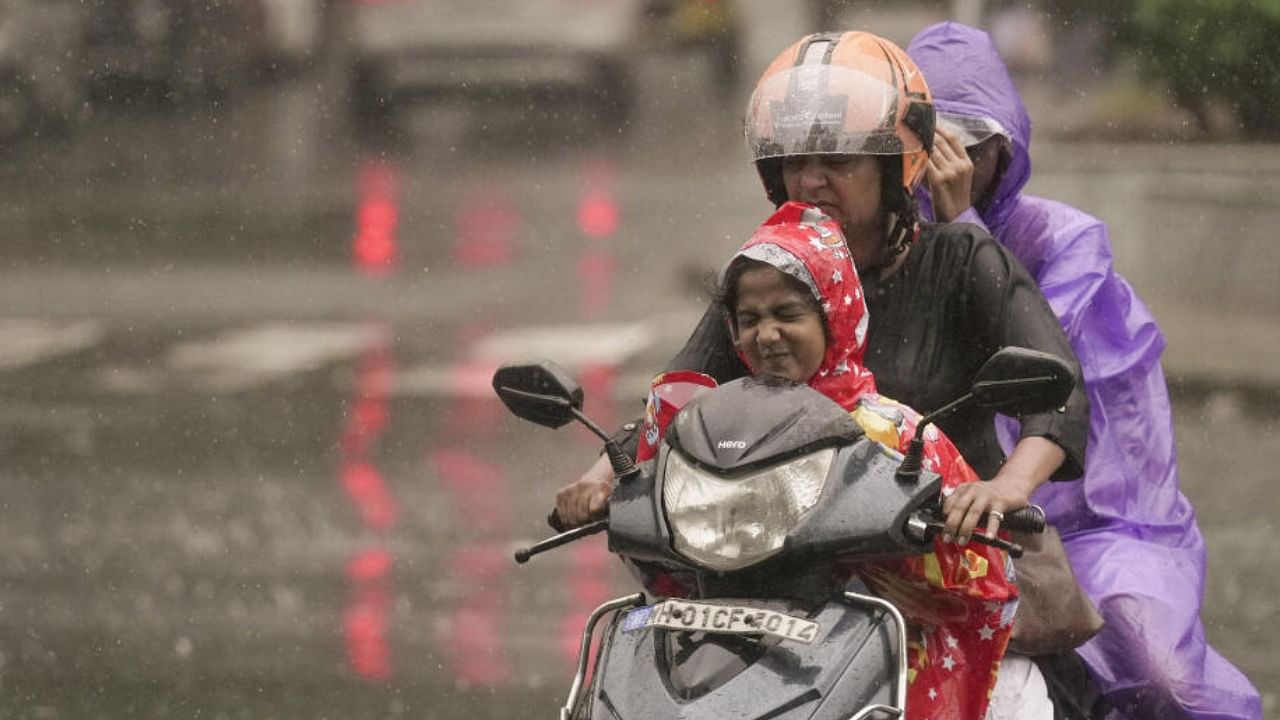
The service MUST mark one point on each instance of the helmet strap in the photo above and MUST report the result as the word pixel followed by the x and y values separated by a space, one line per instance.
pixel 901 231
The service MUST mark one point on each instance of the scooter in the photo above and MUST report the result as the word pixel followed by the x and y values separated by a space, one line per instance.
pixel 760 489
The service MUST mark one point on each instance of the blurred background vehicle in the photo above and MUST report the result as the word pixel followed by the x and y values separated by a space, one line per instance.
pixel 41 81
pixel 294 32
pixel 710 27
pixel 401 50
pixel 173 49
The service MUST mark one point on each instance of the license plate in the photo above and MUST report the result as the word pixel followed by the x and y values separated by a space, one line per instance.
pixel 715 618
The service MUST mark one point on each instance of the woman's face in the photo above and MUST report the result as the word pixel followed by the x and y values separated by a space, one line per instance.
pixel 847 188
pixel 779 327
pixel 986 163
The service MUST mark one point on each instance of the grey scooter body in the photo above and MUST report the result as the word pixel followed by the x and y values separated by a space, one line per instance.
pixel 873 504
pixel 855 667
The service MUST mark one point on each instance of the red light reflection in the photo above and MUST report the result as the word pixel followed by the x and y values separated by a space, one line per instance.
pixel 474 634
pixel 598 214
pixel 598 218
pixel 485 227
pixel 598 211
pixel 375 248
pixel 368 491
pixel 365 621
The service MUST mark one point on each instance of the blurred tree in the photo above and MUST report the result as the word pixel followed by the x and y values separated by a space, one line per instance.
pixel 1215 50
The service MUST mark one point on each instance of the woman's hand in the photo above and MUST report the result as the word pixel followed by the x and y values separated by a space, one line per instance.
pixel 1032 462
pixel 587 498
pixel 950 176
pixel 965 506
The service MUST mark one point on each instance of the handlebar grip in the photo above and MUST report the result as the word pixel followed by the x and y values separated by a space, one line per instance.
pixel 1029 519
pixel 553 519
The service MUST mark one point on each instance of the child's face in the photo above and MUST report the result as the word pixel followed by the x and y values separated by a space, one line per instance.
pixel 779 327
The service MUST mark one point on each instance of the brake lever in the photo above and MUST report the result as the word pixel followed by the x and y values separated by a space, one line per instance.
pixel 1014 549
pixel 924 531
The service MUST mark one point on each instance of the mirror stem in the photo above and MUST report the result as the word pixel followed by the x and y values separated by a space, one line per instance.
pixel 909 470
pixel 624 468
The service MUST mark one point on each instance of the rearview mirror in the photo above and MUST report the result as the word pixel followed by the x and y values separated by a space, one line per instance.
pixel 541 393
pixel 1016 381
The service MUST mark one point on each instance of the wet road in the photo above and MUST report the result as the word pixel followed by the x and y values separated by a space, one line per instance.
pixel 249 461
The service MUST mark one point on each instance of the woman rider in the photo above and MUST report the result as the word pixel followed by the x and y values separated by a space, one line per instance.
pixel 844 121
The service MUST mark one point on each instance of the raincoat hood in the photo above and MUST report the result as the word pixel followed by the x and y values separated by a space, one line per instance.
pixel 968 78
pixel 800 241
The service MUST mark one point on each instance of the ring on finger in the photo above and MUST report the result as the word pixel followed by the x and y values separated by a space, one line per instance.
pixel 999 516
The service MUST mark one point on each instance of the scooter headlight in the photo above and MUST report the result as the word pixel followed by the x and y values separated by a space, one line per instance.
pixel 728 524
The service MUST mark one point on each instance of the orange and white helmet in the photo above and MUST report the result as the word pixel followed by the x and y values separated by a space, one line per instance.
pixel 850 93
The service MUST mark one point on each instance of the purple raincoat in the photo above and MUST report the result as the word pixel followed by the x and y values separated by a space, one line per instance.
pixel 1130 533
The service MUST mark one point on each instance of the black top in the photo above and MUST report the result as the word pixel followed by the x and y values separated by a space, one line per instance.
pixel 957 298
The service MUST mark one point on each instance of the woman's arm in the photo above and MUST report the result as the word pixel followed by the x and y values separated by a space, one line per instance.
pixel 1006 308
pixel 708 350
pixel 587 498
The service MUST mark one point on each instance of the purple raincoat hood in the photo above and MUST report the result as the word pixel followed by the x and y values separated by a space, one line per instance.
pixel 967 77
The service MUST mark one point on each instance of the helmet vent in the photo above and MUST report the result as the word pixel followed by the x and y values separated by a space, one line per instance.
pixel 817 53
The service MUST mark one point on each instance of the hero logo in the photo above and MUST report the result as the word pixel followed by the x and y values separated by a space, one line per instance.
pixel 731 445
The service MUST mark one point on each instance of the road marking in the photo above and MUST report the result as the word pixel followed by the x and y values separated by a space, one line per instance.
pixel 26 342
pixel 242 358
pixel 246 357
pixel 571 346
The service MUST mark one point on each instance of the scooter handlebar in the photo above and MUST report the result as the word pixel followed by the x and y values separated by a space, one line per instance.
pixel 1029 519
pixel 523 555
pixel 553 519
